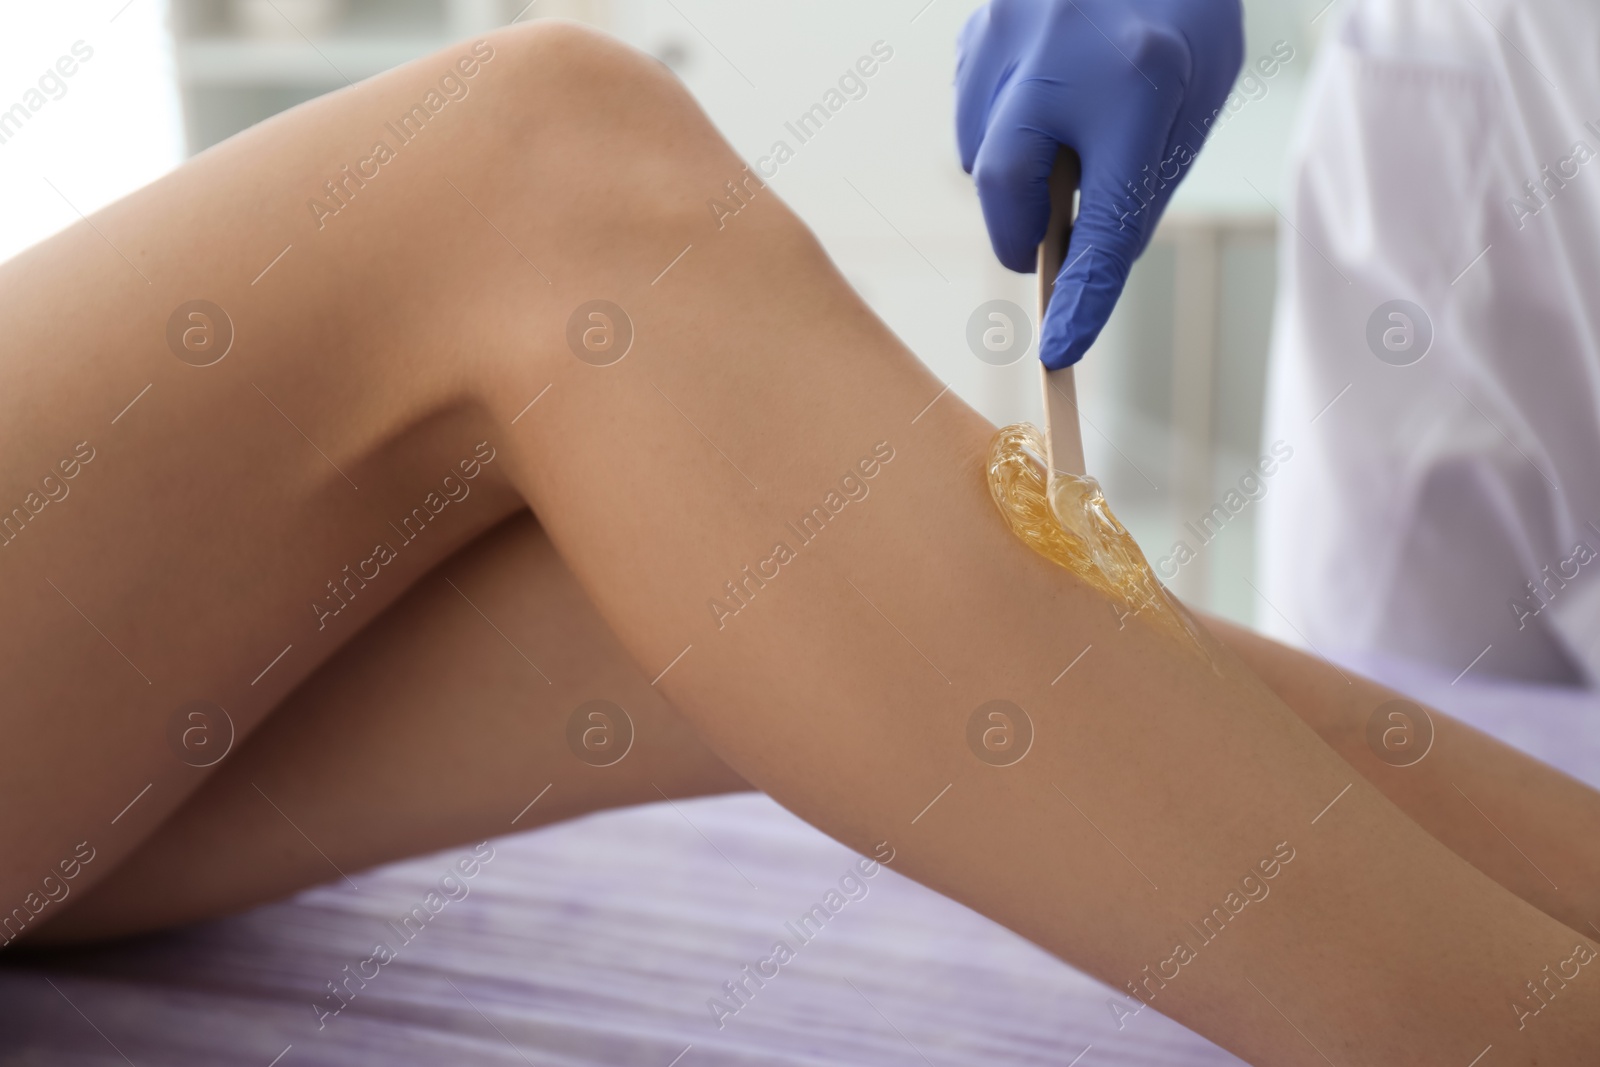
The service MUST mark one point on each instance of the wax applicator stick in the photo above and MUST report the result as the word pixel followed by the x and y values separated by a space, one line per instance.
pixel 1062 435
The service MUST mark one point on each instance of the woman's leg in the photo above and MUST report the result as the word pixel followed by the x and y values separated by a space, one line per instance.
pixel 1528 826
pixel 434 726
pixel 842 682
pixel 430 728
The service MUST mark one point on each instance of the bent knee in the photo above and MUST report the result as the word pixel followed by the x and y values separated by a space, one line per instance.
pixel 598 140
pixel 605 104
pixel 560 58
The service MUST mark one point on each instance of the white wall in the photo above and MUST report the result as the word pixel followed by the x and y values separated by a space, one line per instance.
pixel 109 128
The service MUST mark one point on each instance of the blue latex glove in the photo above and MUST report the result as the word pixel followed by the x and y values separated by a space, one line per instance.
pixel 1132 86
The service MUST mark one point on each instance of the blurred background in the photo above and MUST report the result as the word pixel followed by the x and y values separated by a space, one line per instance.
pixel 1171 396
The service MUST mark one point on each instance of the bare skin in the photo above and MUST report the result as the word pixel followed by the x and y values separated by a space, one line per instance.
pixel 415 325
pixel 1523 823
pixel 431 729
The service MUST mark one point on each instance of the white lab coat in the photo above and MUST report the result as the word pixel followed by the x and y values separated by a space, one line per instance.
pixel 1447 511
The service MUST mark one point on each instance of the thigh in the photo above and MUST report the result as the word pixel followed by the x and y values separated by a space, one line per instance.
pixel 491 698
pixel 241 411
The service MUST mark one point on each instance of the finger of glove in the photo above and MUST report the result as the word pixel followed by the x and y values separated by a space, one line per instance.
pixel 1012 172
pixel 984 64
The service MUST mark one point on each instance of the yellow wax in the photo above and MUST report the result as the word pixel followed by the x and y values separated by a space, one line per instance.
pixel 1069 523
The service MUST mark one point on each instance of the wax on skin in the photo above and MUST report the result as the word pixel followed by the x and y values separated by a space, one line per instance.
pixel 1070 524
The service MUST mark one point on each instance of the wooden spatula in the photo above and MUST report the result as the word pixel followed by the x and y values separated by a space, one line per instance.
pixel 1062 434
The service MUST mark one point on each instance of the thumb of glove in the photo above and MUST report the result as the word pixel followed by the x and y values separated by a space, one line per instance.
pixel 1106 238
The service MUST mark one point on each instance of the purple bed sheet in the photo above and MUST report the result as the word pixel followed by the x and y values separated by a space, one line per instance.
pixel 605 940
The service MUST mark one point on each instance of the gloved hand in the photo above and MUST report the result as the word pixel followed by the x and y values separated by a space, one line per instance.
pixel 1132 86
